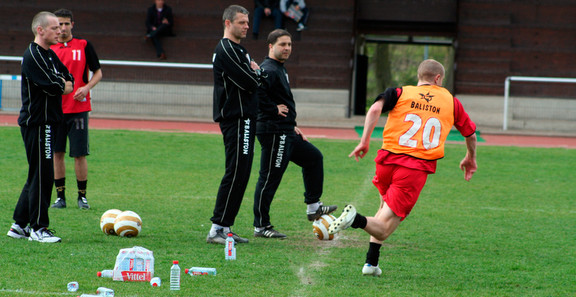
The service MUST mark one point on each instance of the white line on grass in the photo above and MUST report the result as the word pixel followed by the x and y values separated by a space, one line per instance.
pixel 305 272
pixel 366 187
pixel 36 293
pixel 28 293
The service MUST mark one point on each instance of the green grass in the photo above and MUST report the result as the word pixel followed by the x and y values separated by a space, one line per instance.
pixel 508 232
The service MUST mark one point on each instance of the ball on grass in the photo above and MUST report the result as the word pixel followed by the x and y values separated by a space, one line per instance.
pixel 107 221
pixel 320 227
pixel 128 224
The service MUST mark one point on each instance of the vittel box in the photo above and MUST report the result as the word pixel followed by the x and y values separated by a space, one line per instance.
pixel 134 265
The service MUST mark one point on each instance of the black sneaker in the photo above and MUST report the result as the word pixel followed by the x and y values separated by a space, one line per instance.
pixel 269 232
pixel 60 203
pixel 18 232
pixel 238 239
pixel 322 210
pixel 220 237
pixel 83 203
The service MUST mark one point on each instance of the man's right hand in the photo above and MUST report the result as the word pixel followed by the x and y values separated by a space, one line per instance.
pixel 360 151
pixel 68 87
pixel 282 110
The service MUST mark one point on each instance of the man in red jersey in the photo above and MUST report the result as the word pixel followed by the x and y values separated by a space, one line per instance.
pixel 419 120
pixel 79 57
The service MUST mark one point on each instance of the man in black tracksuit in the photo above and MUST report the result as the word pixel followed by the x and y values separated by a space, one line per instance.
pixel 44 80
pixel 236 79
pixel 282 141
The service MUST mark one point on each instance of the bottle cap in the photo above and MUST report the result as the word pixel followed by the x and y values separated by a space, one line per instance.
pixel 155 282
pixel 72 286
pixel 99 273
pixel 229 234
pixel 186 270
pixel 175 262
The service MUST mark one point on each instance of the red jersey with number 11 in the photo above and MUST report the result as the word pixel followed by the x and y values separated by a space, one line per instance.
pixel 78 56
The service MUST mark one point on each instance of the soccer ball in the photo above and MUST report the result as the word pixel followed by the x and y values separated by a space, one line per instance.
pixel 107 221
pixel 128 224
pixel 320 227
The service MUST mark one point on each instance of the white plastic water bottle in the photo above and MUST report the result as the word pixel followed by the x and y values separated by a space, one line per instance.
pixel 105 273
pixel 175 276
pixel 200 271
pixel 229 249
pixel 102 291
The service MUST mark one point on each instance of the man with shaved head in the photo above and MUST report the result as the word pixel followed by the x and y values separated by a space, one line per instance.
pixel 44 80
pixel 419 120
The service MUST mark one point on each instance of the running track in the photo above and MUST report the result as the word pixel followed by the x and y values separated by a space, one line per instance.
pixel 311 132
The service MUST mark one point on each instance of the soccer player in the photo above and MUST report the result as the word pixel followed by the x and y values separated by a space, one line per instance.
pixel 419 120
pixel 282 141
pixel 44 80
pixel 79 57
pixel 236 80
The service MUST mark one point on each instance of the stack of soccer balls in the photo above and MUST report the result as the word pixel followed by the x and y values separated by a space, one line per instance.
pixel 122 223
pixel 320 227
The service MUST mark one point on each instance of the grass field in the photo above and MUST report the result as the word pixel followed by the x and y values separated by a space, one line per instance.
pixel 511 231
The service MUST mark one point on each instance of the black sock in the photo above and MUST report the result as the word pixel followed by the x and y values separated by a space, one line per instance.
pixel 373 254
pixel 60 188
pixel 81 188
pixel 360 221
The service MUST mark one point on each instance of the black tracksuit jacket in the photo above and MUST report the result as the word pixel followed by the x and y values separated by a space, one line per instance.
pixel 235 83
pixel 42 87
pixel 274 91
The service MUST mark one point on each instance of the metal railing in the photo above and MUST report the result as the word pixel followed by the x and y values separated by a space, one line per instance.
pixel 509 79
pixel 148 94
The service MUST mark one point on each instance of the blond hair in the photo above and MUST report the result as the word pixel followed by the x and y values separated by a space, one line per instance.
pixel 41 19
pixel 428 70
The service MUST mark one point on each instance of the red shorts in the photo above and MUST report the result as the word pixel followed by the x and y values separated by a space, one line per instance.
pixel 399 186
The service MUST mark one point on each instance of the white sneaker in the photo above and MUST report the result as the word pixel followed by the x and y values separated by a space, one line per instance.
pixel 18 232
pixel 43 235
pixel 344 221
pixel 371 270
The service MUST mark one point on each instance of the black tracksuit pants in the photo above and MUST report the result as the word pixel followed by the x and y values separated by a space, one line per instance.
pixel 34 201
pixel 239 136
pixel 277 151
